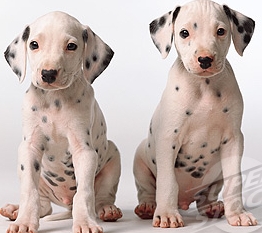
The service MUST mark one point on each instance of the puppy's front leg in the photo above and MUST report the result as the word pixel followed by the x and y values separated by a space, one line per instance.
pixel 84 216
pixel 231 156
pixel 166 213
pixel 29 164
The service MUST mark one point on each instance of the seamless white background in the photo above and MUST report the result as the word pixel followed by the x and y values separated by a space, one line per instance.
pixel 128 90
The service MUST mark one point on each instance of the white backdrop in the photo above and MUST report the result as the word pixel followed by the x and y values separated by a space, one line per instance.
pixel 130 88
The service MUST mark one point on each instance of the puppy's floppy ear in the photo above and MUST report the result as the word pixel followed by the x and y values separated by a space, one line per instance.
pixel 16 54
pixel 97 55
pixel 162 31
pixel 242 28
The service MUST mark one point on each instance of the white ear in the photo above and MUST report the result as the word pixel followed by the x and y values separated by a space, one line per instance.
pixel 16 54
pixel 97 55
pixel 162 31
pixel 242 28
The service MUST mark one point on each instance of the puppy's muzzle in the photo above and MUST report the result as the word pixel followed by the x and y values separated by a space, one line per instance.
pixel 205 62
pixel 49 76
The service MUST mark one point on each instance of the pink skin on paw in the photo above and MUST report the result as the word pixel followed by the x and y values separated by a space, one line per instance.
pixel 110 213
pixel 214 210
pixel 145 210
pixel 168 221
pixel 242 219
pixel 10 211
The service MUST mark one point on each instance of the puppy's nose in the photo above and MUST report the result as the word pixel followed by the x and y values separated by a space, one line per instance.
pixel 49 76
pixel 205 62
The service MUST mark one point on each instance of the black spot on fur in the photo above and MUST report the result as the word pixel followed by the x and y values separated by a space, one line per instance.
pixel 85 35
pixel 225 142
pixel 179 163
pixel 195 160
pixel 73 188
pixel 225 110
pixel 69 173
pixel 22 167
pixel 207 81
pixel 50 174
pixel 201 169
pixel 94 58
pixel 51 158
pixel 204 145
pixel 44 119
pixel 197 174
pixel 188 157
pixel 205 163
pixel 57 103
pixel 195 26
pixel 247 38
pixel 176 130
pixel 50 181
pixel 34 108
pixel 47 138
pixel 87 64
pixel 175 14
pixel 188 112
pixel 153 161
pixel 227 11
pixel 177 88
pixel 190 169
pixel 17 71
pixel 168 48
pixel 36 166
pixel 60 179
pixel 26 33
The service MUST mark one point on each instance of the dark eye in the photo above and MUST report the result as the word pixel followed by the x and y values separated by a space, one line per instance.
pixel 33 45
pixel 184 34
pixel 221 32
pixel 71 46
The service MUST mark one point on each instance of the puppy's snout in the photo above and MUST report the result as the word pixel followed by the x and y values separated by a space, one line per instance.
pixel 49 76
pixel 205 62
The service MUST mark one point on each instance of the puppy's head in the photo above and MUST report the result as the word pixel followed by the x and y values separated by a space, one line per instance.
pixel 202 32
pixel 59 49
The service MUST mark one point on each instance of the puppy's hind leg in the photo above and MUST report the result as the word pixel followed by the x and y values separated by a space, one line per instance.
pixel 207 203
pixel 145 184
pixel 106 184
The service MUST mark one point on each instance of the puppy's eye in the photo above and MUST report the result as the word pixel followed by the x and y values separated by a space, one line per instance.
pixel 33 45
pixel 71 46
pixel 184 34
pixel 221 32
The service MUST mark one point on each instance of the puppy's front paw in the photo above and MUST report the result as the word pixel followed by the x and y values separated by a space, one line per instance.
pixel 241 219
pixel 109 213
pixel 145 210
pixel 168 219
pixel 87 228
pixel 18 227
pixel 10 211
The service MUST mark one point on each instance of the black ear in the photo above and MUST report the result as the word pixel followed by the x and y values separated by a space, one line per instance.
pixel 97 55
pixel 242 28
pixel 162 31
pixel 16 54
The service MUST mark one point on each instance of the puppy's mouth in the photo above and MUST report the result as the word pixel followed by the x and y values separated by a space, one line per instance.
pixel 59 84
pixel 201 70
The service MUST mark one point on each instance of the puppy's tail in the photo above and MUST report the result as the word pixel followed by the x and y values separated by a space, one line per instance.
pixel 58 216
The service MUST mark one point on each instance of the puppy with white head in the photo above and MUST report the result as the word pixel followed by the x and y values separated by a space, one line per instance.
pixel 64 156
pixel 195 144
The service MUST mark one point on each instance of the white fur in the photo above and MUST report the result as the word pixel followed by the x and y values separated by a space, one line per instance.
pixel 64 156
pixel 196 126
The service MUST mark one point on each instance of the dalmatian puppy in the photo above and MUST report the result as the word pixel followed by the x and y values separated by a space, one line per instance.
pixel 64 156
pixel 195 144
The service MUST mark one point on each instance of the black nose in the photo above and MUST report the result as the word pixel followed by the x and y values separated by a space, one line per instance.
pixel 49 76
pixel 205 62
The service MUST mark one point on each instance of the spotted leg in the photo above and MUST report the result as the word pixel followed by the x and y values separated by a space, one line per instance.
pixel 29 172
pixel 106 186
